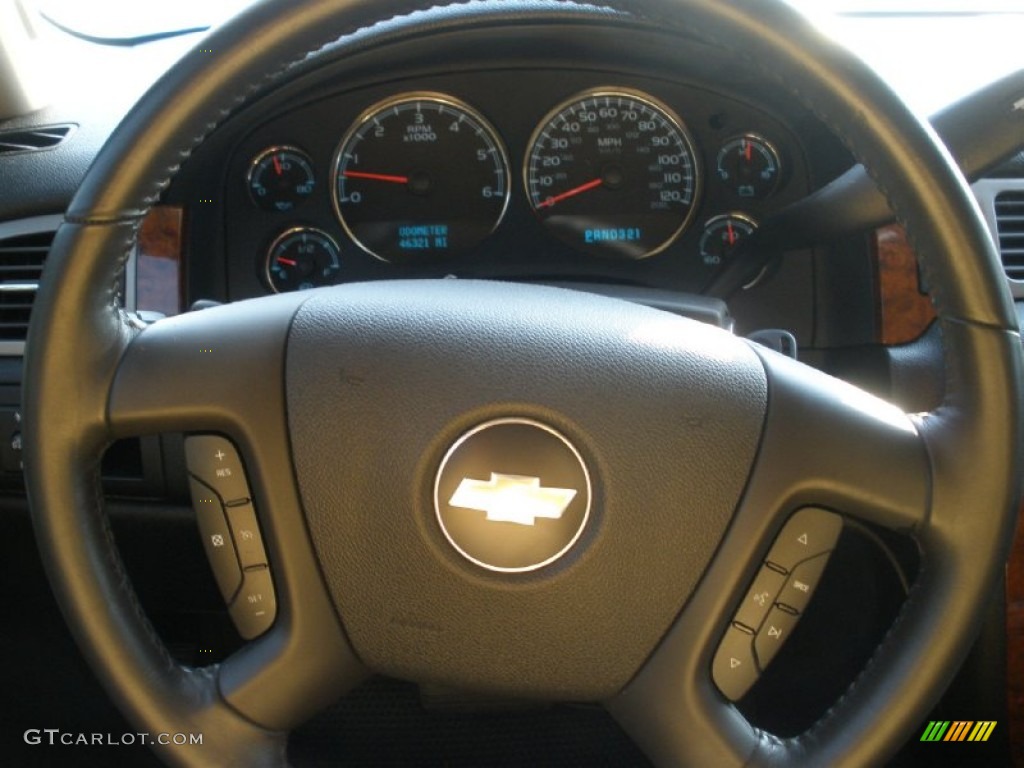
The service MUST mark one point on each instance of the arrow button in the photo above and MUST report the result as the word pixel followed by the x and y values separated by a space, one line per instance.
pixel 810 532
pixel 734 669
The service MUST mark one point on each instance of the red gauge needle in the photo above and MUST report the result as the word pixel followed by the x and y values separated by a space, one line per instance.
pixel 571 193
pixel 748 151
pixel 376 177
pixel 277 165
pixel 287 262
pixel 731 233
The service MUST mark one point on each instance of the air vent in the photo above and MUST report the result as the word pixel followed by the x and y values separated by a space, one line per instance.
pixel 21 264
pixel 30 139
pixel 1010 226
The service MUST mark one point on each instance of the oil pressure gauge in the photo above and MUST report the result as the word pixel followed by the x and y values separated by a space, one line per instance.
pixel 280 178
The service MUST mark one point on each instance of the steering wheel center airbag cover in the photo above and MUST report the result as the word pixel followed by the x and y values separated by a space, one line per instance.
pixel 382 381
pixel 519 519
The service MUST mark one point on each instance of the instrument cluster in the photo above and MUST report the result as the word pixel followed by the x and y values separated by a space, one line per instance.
pixel 427 179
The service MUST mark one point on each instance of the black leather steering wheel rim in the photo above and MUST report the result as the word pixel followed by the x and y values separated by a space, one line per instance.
pixel 73 359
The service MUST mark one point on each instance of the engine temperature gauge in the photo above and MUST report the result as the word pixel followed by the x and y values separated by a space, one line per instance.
pixel 302 258
pixel 722 236
pixel 749 165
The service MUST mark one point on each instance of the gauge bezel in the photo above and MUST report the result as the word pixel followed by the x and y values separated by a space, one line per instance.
pixel 268 152
pixel 742 216
pixel 436 97
pixel 756 138
pixel 284 236
pixel 651 102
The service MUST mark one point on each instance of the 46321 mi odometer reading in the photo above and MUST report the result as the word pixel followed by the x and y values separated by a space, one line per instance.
pixel 420 174
pixel 613 172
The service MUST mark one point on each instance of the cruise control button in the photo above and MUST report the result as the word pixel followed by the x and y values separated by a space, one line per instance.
pixel 773 633
pixel 808 533
pixel 759 598
pixel 215 461
pixel 733 668
pixel 220 550
pixel 246 531
pixel 802 583
pixel 255 607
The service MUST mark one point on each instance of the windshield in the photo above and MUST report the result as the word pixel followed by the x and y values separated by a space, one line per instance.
pixel 134 22
pixel 127 19
pixel 931 51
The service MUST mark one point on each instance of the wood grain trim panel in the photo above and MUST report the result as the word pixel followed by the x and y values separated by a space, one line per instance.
pixel 904 311
pixel 158 261
pixel 1015 643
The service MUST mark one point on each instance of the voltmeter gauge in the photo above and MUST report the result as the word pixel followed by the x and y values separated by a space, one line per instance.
pixel 722 236
pixel 302 258
pixel 750 166
pixel 281 178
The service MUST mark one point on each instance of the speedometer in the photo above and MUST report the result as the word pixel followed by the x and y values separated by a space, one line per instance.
pixel 613 172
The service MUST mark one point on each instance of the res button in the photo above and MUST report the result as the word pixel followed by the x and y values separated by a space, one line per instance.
pixel 215 461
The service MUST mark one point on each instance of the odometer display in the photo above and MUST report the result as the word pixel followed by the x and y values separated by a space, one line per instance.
pixel 613 172
pixel 420 175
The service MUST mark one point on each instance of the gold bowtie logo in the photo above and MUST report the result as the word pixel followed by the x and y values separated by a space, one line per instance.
pixel 515 499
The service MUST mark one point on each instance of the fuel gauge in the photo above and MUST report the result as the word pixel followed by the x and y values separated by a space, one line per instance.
pixel 722 236
pixel 302 258
pixel 749 165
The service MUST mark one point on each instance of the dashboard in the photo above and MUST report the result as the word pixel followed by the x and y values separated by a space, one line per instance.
pixel 503 158
pixel 595 154
pixel 677 192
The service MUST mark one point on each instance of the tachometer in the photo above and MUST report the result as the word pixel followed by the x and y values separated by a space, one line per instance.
pixel 613 172
pixel 421 174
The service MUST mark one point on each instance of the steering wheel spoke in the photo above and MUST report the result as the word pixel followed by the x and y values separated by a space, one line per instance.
pixel 733 443
pixel 219 369
pixel 220 373
pixel 828 443
pixel 825 445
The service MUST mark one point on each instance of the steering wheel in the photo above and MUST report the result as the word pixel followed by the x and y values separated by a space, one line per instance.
pixel 686 486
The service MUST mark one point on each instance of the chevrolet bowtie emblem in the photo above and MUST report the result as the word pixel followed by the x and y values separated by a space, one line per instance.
pixel 512 498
